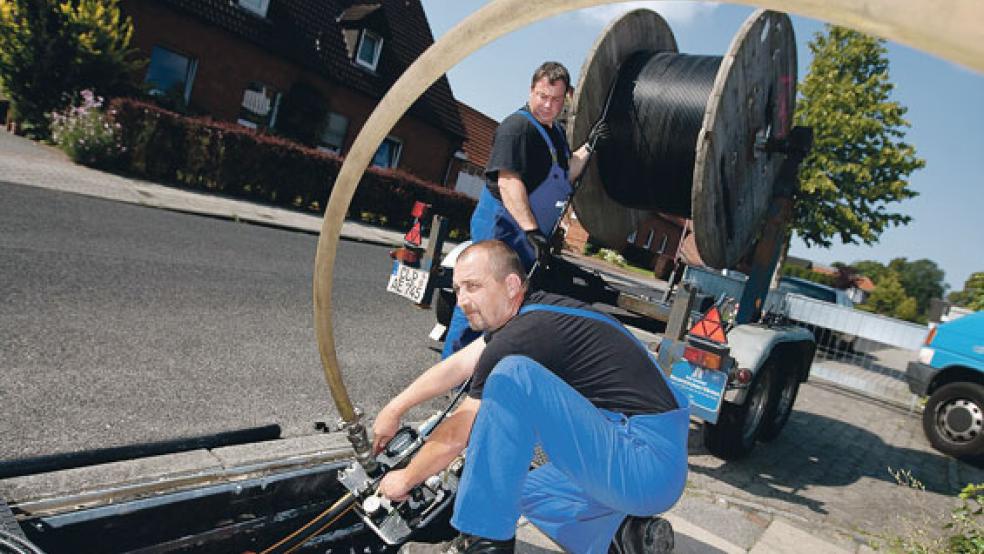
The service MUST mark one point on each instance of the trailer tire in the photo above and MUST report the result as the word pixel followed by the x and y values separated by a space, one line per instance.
pixel 444 302
pixel 954 419
pixel 781 403
pixel 739 426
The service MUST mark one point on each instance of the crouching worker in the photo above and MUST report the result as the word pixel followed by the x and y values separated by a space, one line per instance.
pixel 548 371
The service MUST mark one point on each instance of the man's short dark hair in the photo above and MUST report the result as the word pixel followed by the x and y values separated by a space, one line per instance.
pixel 503 260
pixel 553 71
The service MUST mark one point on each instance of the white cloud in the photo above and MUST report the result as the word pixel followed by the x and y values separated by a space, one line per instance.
pixel 676 13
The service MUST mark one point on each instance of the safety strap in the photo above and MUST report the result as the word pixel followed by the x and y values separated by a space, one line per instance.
pixel 589 314
pixel 543 133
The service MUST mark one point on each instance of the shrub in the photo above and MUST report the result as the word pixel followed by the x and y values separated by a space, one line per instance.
pixel 231 159
pixel 86 134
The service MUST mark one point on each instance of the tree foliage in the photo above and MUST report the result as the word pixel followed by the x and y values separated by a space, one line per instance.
pixel 889 298
pixel 972 295
pixel 859 163
pixel 49 51
pixel 921 279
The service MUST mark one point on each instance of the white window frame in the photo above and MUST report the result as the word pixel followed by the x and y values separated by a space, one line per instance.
pixel 258 7
pixel 396 158
pixel 649 239
pixel 632 236
pixel 190 72
pixel 272 110
pixel 377 52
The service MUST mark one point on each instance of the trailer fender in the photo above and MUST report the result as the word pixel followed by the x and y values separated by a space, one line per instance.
pixel 452 257
pixel 753 344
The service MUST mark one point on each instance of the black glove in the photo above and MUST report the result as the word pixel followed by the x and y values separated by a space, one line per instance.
pixel 598 134
pixel 540 244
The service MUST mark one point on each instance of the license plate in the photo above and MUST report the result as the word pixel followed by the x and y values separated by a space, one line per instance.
pixel 408 282
pixel 704 388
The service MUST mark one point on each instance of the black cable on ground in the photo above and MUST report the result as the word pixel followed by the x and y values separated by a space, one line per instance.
pixel 316 526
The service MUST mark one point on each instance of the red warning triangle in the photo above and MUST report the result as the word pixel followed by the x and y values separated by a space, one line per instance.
pixel 709 326
pixel 413 235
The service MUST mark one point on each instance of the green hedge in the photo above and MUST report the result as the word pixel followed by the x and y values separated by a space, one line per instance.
pixel 223 157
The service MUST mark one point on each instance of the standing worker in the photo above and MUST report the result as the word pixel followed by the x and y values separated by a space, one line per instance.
pixel 548 371
pixel 528 180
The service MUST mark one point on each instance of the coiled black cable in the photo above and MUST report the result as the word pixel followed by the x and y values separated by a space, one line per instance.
pixel 655 117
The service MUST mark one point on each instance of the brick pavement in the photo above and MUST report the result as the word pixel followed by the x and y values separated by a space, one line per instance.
pixel 829 471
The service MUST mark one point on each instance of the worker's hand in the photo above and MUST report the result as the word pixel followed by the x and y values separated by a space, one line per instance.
pixel 386 425
pixel 395 485
pixel 598 134
pixel 541 246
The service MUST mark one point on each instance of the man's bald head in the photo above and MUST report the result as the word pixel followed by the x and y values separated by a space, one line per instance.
pixel 502 260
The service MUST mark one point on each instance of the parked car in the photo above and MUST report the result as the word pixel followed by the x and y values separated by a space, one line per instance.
pixel 805 287
pixel 950 370
pixel 774 305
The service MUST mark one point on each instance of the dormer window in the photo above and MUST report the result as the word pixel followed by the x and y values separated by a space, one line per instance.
pixel 370 46
pixel 258 7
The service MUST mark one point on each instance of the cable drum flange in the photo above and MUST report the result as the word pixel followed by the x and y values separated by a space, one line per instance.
pixel 688 131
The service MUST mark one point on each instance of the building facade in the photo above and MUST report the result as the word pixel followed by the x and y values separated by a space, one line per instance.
pixel 312 70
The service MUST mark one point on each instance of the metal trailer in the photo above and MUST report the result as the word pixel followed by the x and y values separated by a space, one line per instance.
pixel 739 195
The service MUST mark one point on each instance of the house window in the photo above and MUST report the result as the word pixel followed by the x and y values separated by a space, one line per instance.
pixel 632 237
pixel 662 244
pixel 388 154
pixel 259 107
pixel 170 73
pixel 370 46
pixel 333 136
pixel 259 7
pixel 649 239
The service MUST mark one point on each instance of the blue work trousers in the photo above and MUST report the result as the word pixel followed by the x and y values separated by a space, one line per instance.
pixel 602 465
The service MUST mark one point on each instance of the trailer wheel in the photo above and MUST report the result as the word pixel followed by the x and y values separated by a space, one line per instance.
pixel 444 302
pixel 954 420
pixel 781 404
pixel 739 425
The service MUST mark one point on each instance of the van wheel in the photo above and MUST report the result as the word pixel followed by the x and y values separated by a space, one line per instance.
pixel 781 404
pixel 739 426
pixel 954 420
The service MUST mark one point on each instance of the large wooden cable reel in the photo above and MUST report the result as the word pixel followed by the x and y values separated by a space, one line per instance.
pixel 728 188
pixel 955 32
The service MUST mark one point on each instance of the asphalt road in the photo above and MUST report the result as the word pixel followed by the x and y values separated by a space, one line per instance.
pixel 121 324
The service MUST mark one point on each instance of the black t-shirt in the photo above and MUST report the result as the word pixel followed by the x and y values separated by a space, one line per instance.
pixel 520 148
pixel 610 369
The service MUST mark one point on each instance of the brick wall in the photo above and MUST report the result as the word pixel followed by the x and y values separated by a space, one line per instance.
pixel 227 64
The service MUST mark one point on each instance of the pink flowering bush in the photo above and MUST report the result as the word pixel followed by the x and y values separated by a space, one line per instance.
pixel 87 134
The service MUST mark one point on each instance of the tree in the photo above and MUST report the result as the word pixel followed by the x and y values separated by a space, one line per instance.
pixel 889 298
pixel 972 295
pixel 921 279
pixel 49 51
pixel 870 269
pixel 859 162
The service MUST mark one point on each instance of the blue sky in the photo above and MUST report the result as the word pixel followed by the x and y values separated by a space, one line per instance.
pixel 945 102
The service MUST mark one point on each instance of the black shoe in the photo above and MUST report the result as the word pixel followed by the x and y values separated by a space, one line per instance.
pixel 470 544
pixel 642 535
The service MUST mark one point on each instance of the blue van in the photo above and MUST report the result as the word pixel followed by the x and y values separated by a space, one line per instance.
pixel 950 370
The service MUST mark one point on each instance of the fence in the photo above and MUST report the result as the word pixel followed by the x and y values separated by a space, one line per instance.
pixel 858 350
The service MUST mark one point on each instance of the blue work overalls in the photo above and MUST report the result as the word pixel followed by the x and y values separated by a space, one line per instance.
pixel 602 465
pixel 491 220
